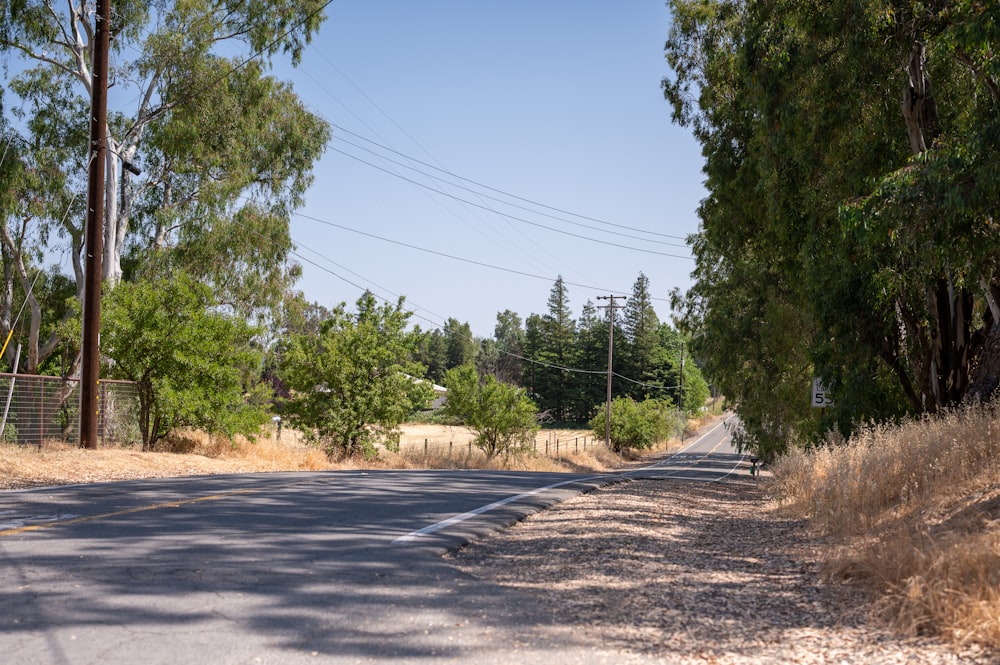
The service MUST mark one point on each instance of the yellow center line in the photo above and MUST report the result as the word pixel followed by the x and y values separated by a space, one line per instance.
pixel 128 511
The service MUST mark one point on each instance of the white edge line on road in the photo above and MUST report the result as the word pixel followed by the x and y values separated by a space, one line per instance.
pixel 682 450
pixel 443 524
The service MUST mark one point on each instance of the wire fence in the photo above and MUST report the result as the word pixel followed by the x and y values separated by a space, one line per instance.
pixel 546 446
pixel 42 409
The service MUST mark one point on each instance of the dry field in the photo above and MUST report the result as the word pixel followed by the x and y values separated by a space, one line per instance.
pixel 197 454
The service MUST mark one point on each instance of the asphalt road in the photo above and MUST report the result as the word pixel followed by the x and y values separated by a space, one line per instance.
pixel 336 567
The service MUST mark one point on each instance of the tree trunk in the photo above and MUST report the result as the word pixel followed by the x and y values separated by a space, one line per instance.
pixel 919 108
pixel 984 369
pixel 949 311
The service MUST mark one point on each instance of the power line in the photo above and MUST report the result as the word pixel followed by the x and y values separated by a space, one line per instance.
pixel 499 191
pixel 512 244
pixel 438 323
pixel 514 217
pixel 507 203
pixel 643 384
pixel 449 256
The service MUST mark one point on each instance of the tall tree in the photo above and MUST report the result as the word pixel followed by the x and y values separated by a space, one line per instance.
pixel 555 353
pixel 431 351
pixel 461 345
pixel 225 149
pixel 848 224
pixel 510 343
pixel 643 357
pixel 590 386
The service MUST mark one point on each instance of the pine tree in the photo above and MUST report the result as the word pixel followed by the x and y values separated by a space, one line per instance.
pixel 592 357
pixel 643 356
pixel 554 346
pixel 510 345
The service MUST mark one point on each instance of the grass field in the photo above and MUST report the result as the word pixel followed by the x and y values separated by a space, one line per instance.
pixel 421 446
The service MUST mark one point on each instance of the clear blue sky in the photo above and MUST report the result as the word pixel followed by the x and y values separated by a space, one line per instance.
pixel 555 102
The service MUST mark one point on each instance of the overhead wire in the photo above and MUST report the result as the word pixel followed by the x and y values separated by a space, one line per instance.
pixel 509 216
pixel 525 254
pixel 499 191
pixel 507 203
pixel 410 311
pixel 642 383
pixel 453 257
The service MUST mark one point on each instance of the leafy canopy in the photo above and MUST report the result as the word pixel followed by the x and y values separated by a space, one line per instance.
pixel 502 416
pixel 190 361
pixel 353 384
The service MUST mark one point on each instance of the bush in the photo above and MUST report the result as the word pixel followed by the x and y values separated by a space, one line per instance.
pixel 503 417
pixel 637 425
pixel 352 384
pixel 186 356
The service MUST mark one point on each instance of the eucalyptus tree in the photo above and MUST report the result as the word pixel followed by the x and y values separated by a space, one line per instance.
pixel 848 229
pixel 927 227
pixel 225 149
pixel 31 184
pixel 705 97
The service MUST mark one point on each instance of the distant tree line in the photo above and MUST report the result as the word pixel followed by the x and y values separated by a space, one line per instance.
pixel 562 361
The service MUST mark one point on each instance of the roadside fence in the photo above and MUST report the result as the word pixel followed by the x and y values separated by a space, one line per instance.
pixel 35 410
pixel 549 447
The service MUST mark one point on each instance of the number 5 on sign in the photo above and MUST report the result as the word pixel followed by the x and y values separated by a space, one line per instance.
pixel 820 395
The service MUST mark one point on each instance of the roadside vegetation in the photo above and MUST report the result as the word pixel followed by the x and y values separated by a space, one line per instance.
pixel 207 162
pixel 844 235
pixel 913 514
pixel 638 425
pixel 185 452
pixel 502 416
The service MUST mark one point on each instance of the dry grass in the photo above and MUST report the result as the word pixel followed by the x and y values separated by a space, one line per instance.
pixel 914 511
pixel 194 453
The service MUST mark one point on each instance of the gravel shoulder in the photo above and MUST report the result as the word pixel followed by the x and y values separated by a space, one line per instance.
pixel 693 573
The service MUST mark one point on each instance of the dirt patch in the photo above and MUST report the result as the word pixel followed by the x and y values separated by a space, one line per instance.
pixel 695 574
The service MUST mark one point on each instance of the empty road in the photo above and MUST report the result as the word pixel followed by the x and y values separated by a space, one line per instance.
pixel 334 567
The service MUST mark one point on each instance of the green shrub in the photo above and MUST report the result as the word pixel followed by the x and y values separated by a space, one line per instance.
pixel 637 425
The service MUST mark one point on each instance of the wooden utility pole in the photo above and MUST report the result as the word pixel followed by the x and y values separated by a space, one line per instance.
pixel 611 347
pixel 90 368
